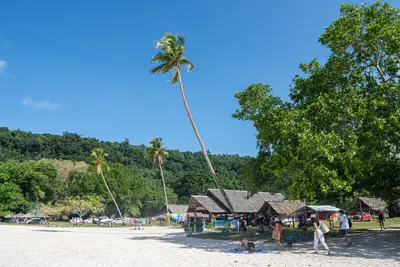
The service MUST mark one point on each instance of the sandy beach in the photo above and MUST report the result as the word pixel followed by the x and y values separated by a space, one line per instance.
pixel 156 246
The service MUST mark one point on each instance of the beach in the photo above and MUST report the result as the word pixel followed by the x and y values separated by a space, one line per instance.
pixel 157 246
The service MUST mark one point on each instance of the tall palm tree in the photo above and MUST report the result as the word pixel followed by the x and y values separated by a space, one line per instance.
pixel 170 59
pixel 98 159
pixel 157 154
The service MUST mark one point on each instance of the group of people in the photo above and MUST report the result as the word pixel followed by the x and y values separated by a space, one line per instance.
pixel 320 229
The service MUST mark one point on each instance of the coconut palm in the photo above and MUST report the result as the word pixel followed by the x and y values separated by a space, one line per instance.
pixel 157 153
pixel 171 58
pixel 98 159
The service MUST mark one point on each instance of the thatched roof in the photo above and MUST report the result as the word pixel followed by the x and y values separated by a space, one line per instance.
pixel 204 204
pixel 177 209
pixel 9 216
pixel 243 201
pixel 374 204
pixel 282 207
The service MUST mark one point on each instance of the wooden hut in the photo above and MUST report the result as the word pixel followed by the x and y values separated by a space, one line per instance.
pixel 174 209
pixel 206 205
pixel 281 207
pixel 371 205
pixel 244 204
pixel 242 201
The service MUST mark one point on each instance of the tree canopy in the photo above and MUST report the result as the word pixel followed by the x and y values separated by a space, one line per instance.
pixel 339 134
pixel 45 169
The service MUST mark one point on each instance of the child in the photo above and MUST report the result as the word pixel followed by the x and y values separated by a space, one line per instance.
pixel 277 231
pixel 246 245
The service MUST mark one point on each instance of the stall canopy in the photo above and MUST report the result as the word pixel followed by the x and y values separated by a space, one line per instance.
pixel 323 208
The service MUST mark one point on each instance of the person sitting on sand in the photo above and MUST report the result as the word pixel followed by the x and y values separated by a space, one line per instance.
pixel 246 245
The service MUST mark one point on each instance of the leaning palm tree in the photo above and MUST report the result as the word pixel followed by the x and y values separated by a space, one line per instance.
pixel 170 59
pixel 98 159
pixel 157 153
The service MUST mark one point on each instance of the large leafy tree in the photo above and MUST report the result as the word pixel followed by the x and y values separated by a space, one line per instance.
pixel 98 159
pixel 340 132
pixel 158 153
pixel 81 206
pixel 171 58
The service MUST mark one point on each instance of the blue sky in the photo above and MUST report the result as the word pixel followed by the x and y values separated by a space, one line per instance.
pixel 83 66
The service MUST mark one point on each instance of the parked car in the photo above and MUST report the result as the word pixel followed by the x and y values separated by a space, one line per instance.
pixel 76 220
pixel 35 221
pixel 365 216
pixel 89 220
pixel 120 221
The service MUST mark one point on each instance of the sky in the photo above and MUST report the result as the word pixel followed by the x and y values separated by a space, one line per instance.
pixel 83 66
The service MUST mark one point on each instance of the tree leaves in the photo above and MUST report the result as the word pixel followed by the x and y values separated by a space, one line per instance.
pixel 340 132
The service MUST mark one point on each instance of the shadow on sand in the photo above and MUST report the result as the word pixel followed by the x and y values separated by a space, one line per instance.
pixel 53 231
pixel 369 245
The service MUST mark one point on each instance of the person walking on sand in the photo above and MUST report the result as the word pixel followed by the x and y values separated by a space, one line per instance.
pixel 344 227
pixel 318 234
pixel 381 219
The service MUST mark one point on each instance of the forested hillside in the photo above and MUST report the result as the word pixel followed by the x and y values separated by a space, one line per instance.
pixel 46 168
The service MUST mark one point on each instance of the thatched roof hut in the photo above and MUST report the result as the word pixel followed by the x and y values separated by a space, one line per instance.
pixel 174 209
pixel 204 204
pixel 281 207
pixel 371 204
pixel 9 216
pixel 243 201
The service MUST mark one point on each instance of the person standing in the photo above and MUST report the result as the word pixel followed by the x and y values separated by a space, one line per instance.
pixel 344 227
pixel 381 219
pixel 318 234
pixel 277 231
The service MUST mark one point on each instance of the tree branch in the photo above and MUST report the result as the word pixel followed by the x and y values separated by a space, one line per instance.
pixel 380 72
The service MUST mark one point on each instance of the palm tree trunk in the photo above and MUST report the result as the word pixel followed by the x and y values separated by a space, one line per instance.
pixel 109 191
pixel 165 190
pixel 209 165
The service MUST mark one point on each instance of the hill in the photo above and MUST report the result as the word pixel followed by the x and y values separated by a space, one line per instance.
pixel 134 180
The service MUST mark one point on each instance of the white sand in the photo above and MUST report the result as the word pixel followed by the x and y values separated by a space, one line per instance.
pixel 41 246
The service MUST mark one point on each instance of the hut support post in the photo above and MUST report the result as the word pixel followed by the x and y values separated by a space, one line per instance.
pixel 361 210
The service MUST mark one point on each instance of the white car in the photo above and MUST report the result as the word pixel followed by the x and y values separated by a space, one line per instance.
pixel 76 220
pixel 121 221
pixel 106 221
pixel 89 220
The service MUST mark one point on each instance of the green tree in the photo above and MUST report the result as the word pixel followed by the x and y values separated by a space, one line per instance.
pixel 81 206
pixel 98 159
pixel 158 153
pixel 11 198
pixel 340 132
pixel 171 58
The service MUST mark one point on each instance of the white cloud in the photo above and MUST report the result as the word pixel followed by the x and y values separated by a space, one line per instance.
pixel 47 104
pixel 3 64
